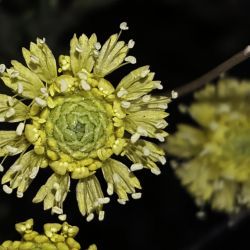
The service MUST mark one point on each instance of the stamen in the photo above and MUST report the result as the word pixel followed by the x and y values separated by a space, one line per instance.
pixel 15 168
pixel 162 159
pixel 11 150
pixel 131 44
pixel 158 85
pixel 90 217
pixel 136 166
pixel 85 85
pixel 14 74
pixel 135 137
pixel 145 73
pixel 159 137
pixel 104 200
pixel 146 98
pixel 136 196
pixel 2 68
pixel 57 210
pixel 155 171
pixel 142 131
pixel 34 59
pixel 124 26
pixel 63 85
pixel 98 46
pixel 40 102
pixel 34 173
pixel 19 194
pixel 121 201
pixel 122 92
pixel 125 104
pixel 101 215
pixel 62 217
pixel 110 189
pixel 174 94
pixel 130 59
pixel 146 151
pixel 20 128
pixel 7 189
pixel 19 88
pixel 10 112
pixel 41 41
pixel 79 48
pixel 10 101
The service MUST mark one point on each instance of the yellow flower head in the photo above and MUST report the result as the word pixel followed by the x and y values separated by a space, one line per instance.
pixel 55 237
pixel 74 121
pixel 215 155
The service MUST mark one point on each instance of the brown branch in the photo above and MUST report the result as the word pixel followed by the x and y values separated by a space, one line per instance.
pixel 214 73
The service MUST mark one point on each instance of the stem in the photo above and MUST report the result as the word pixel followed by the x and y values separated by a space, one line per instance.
pixel 218 230
pixel 214 73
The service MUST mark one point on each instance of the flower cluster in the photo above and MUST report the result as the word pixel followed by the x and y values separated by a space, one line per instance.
pixel 214 156
pixel 55 237
pixel 70 118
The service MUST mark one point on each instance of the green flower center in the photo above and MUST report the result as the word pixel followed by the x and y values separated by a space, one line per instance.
pixel 78 125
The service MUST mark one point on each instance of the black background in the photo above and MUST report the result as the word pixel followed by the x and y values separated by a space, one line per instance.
pixel 181 40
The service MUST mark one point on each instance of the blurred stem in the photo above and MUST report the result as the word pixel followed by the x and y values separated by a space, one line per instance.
pixel 214 73
pixel 206 242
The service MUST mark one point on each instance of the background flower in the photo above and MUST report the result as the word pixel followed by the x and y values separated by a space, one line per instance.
pixel 214 155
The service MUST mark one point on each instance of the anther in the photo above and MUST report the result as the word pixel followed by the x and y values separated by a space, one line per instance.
pixel 158 85
pixel 85 85
pixel 130 59
pixel 2 68
pixel 146 151
pixel 34 59
pixel 19 88
pixel 101 215
pixel 155 171
pixel 41 41
pixel 159 137
pixel 98 46
pixel 34 173
pixel 146 98
pixel 10 101
pixel 121 201
pixel 57 210
pixel 174 94
pixel 136 196
pixel 62 217
pixel 124 26
pixel 20 128
pixel 122 92
pixel 104 200
pixel 79 48
pixel 110 189
pixel 131 44
pixel 10 112
pixel 7 189
pixel 40 102
pixel 63 85
pixel 19 194
pixel 125 104
pixel 90 217
pixel 1 168
pixel 135 137
pixel 11 150
pixel 162 159
pixel 136 166
pixel 145 73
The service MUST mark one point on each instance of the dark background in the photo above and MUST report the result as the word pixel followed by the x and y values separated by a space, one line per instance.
pixel 181 40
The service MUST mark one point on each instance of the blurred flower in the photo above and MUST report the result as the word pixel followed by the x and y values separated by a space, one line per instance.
pixel 76 121
pixel 55 236
pixel 214 155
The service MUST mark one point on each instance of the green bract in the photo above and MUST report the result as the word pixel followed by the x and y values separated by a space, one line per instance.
pixel 75 122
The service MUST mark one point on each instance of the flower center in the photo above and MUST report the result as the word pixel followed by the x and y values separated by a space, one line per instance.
pixel 78 125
